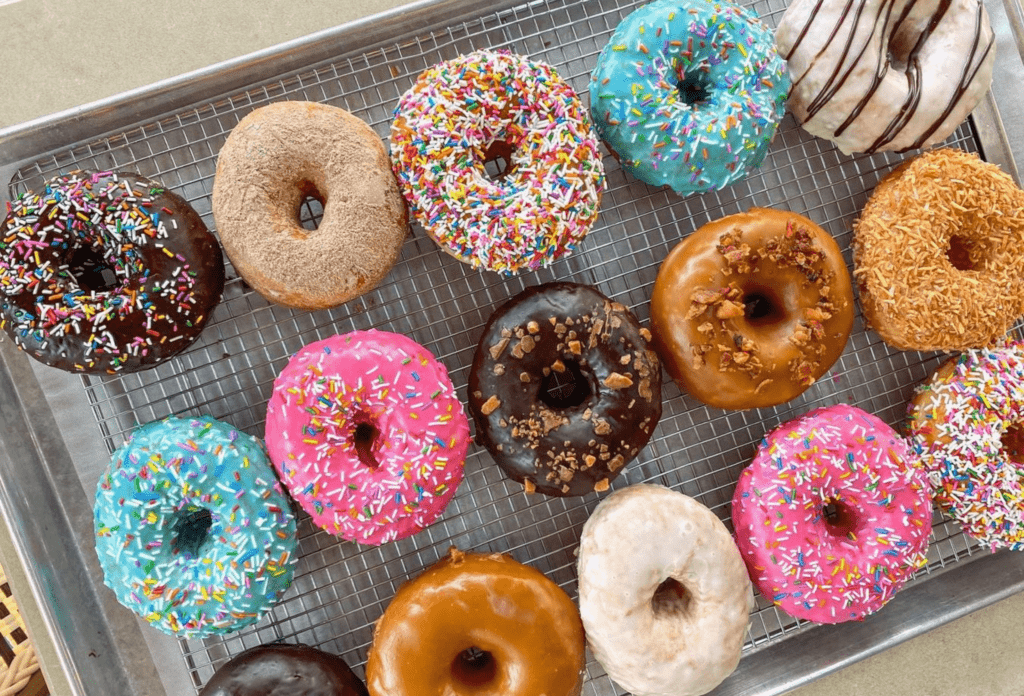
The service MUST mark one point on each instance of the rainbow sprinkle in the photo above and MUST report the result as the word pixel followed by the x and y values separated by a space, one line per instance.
pixel 443 128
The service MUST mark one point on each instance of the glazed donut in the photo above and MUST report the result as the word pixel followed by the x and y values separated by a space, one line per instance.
pixel 832 516
pixel 664 595
pixel 193 531
pixel 276 158
pixel 465 112
pixel 965 425
pixel 751 309
pixel 368 435
pixel 106 272
pixel 564 389
pixel 937 253
pixel 874 75
pixel 689 94
pixel 476 625
pixel 284 669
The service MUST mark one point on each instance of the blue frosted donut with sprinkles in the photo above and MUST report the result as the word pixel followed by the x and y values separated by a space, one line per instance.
pixel 193 531
pixel 689 93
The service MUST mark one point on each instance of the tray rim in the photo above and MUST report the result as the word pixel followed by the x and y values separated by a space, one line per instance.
pixel 947 595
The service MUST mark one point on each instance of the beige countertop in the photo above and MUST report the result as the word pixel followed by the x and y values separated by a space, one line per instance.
pixel 60 54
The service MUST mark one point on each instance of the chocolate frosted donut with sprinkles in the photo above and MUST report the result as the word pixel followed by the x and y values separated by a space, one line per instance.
pixel 965 423
pixel 833 515
pixel 368 435
pixel 104 272
pixel 193 531
pixel 689 93
pixel 494 107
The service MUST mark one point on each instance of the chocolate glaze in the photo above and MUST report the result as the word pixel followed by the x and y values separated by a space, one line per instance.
pixel 285 670
pixel 154 279
pixel 564 444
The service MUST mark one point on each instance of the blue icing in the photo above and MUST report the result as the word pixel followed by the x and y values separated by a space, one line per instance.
pixel 184 543
pixel 729 63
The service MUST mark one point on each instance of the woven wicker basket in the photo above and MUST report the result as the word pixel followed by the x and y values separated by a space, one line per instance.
pixel 19 669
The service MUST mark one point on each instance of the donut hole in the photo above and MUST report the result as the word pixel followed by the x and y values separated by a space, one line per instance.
pixel 1013 443
pixel 498 160
pixel 474 667
pixel 91 270
pixel 670 599
pixel 694 88
pixel 191 529
pixel 962 253
pixel 311 206
pixel 566 388
pixel 364 437
pixel 762 306
pixel 839 518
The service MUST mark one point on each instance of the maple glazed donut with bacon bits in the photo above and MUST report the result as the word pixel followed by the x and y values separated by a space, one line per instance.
pixel 833 515
pixel 966 422
pixel 368 435
pixel 476 108
pixel 751 309
pixel 937 253
pixel 564 389
pixel 105 272
pixel 874 75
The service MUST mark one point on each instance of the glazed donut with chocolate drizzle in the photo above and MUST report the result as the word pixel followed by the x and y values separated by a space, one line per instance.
pixel 564 389
pixel 751 309
pixel 874 75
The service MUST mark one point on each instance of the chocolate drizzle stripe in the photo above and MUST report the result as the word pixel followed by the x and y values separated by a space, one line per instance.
pixel 831 38
pixel 807 26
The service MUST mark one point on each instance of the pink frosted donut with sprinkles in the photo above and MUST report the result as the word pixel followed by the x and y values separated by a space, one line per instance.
pixel 965 422
pixel 832 517
pixel 466 112
pixel 367 434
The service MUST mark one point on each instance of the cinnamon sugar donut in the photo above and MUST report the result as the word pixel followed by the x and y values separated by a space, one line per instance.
pixel 873 75
pixel 277 157
pixel 938 253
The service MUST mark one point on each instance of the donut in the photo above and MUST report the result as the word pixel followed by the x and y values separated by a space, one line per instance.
pixel 965 426
pixel 937 253
pixel 279 156
pixel 664 594
pixel 832 516
pixel 751 309
pixel 368 435
pixel 193 531
pixel 106 272
pixel 284 669
pixel 478 624
pixel 875 75
pixel 689 93
pixel 564 389
pixel 496 106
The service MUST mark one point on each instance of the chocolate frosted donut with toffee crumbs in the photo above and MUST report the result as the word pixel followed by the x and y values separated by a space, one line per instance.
pixel 564 389
pixel 285 669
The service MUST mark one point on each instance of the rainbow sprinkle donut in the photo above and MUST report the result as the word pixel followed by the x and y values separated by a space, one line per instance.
pixel 465 112
pixel 193 531
pixel 965 424
pixel 830 517
pixel 368 435
pixel 689 93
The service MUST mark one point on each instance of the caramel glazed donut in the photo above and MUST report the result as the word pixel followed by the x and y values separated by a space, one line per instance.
pixel 873 75
pixel 751 309
pixel 564 389
pixel 277 157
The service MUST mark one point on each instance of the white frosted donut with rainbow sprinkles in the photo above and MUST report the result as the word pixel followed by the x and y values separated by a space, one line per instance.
pixel 965 424
pixel 832 517
pixel 464 112
pixel 368 435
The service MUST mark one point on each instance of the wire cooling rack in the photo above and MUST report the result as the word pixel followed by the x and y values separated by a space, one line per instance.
pixel 340 588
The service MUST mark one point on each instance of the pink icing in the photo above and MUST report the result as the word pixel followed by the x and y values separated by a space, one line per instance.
pixel 368 435
pixel 829 571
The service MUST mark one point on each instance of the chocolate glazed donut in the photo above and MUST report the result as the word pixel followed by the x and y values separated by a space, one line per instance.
pixel 564 389
pixel 285 670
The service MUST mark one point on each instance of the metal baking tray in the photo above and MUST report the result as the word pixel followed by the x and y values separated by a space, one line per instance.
pixel 58 430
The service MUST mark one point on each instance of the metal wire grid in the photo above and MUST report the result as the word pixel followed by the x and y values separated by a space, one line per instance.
pixel 340 589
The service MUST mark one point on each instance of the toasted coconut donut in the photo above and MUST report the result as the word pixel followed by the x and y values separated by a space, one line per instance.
pixel 277 157
pixel 938 253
